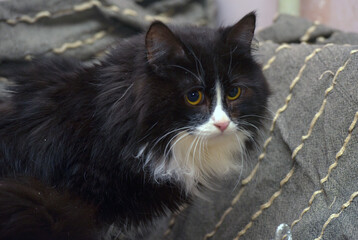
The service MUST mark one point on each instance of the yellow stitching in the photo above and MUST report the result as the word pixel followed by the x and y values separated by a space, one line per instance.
pixel 28 57
pixel 304 66
pixel 77 8
pixel 266 205
pixel 151 18
pixel 29 19
pixel 113 8
pixel 309 31
pixel 334 200
pixel 87 5
pixel 262 156
pixel 272 59
pixel 317 115
pixel 227 211
pixel 338 155
pixel 80 43
pixel 267 65
pixel 325 72
pixel 341 151
pixel 130 12
pixel 282 46
pixel 237 197
pixel 307 208
pixel 268 140
pixel 336 215
pixel 223 216
pixel 173 218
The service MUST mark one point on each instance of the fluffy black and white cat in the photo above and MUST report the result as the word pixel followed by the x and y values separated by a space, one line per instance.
pixel 130 137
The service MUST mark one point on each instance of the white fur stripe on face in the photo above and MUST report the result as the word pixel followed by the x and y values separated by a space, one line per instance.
pixel 219 115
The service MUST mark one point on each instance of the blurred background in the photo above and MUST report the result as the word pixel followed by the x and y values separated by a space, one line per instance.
pixel 341 14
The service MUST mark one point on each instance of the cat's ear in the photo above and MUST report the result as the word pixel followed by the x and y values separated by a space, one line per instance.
pixel 161 43
pixel 242 32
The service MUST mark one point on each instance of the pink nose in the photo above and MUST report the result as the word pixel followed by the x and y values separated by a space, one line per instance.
pixel 222 125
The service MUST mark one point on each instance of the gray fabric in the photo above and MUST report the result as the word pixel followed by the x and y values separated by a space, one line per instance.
pixel 84 28
pixel 312 117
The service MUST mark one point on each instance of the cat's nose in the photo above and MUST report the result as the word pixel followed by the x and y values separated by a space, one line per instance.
pixel 222 125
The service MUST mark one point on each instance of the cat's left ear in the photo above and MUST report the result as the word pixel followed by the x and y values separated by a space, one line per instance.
pixel 242 32
pixel 162 44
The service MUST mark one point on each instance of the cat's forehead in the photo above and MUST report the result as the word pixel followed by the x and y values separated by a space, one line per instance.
pixel 202 41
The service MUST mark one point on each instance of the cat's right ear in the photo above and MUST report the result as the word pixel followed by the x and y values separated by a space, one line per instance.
pixel 162 44
pixel 242 32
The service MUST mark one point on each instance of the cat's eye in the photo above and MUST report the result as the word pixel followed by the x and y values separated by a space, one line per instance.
pixel 234 93
pixel 194 97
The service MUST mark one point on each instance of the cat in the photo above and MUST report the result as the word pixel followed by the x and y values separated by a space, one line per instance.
pixel 124 140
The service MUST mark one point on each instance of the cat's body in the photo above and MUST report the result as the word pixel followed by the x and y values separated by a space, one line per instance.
pixel 138 133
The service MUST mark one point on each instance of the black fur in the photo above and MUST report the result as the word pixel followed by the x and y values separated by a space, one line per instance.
pixel 31 211
pixel 77 129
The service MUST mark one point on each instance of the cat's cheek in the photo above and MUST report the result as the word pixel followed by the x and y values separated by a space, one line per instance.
pixel 234 110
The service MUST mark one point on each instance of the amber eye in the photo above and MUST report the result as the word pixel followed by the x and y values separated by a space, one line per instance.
pixel 234 93
pixel 194 97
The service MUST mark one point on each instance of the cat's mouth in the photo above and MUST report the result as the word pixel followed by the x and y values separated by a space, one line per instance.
pixel 197 156
pixel 215 132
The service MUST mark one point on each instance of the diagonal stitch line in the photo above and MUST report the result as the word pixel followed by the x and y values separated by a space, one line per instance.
pixel 336 215
pixel 294 153
pixel 273 58
pixel 99 35
pixel 338 155
pixel 340 152
pixel 309 31
pixel 281 110
pixel 268 140
pixel 173 219
pixel 29 19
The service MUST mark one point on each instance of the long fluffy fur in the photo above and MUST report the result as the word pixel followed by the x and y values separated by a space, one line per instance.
pixel 102 132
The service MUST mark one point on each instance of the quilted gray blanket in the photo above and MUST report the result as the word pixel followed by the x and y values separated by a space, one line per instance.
pixel 301 183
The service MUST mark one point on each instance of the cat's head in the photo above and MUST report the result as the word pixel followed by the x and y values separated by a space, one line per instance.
pixel 200 103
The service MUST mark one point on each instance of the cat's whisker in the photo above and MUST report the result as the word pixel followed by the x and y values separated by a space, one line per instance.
pixel 195 148
pixel 245 123
pixel 115 89
pixel 253 115
pixel 166 134
pixel 197 61
pixel 251 137
pixel 124 94
pixel 185 69
pixel 171 146
pixel 190 150
pixel 243 153
pixel 230 64
pixel 200 152
pixel 176 141
pixel 148 158
pixel 268 109
pixel 148 132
